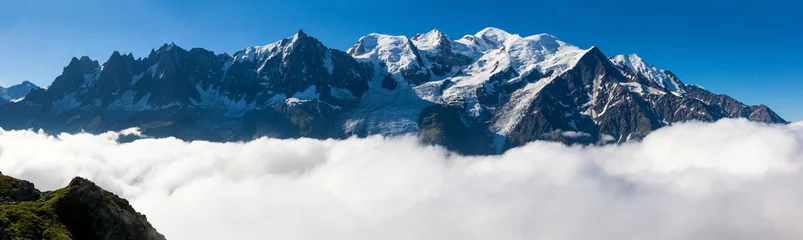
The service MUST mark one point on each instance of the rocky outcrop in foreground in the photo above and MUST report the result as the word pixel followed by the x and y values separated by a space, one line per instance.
pixel 82 210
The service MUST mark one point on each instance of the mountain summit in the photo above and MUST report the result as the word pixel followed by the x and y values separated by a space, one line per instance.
pixel 480 94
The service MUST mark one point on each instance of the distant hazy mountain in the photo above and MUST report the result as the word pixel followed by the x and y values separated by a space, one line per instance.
pixel 480 94
pixel 16 92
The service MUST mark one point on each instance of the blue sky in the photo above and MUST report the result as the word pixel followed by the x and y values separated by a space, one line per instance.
pixel 748 49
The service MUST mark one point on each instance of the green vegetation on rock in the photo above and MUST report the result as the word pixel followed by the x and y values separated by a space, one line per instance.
pixel 82 210
pixel 32 219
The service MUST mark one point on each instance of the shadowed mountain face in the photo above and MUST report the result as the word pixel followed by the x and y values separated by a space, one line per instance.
pixel 82 210
pixel 480 94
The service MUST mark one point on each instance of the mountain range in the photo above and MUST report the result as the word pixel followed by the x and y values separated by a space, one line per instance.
pixel 479 94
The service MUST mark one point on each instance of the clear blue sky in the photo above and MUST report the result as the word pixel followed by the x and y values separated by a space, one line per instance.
pixel 748 49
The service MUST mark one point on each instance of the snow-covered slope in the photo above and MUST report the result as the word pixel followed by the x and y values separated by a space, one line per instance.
pixel 512 59
pixel 632 64
pixel 494 58
pixel 391 54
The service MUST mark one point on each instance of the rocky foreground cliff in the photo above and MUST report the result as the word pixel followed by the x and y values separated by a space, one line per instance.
pixel 82 210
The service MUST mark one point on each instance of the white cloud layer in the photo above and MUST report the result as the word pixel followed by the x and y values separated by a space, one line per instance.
pixel 728 180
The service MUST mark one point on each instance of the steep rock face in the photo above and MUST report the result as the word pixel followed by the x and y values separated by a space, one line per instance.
pixel 762 113
pixel 292 66
pixel 76 75
pixel 617 111
pixel 490 90
pixel 732 108
pixel 670 109
pixel 582 104
pixel 82 210
pixel 445 126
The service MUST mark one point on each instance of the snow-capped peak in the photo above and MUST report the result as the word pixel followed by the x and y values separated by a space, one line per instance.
pixel 547 40
pixel 491 50
pixel 542 52
pixel 504 53
pixel 396 52
pixel 632 61
pixel 258 52
pixel 430 40
pixel 494 37
pixel 376 41
pixel 650 72
pixel 494 34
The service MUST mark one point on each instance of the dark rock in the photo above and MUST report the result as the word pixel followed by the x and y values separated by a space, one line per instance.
pixel 733 108
pixel 389 83
pixel 90 212
pixel 444 126
pixel 13 190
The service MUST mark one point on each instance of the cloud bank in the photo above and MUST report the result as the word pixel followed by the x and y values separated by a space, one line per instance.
pixel 731 179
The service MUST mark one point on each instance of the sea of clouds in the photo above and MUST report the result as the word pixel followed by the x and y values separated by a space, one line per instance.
pixel 732 179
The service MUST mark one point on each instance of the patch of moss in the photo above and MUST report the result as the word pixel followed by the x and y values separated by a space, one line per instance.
pixel 33 219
